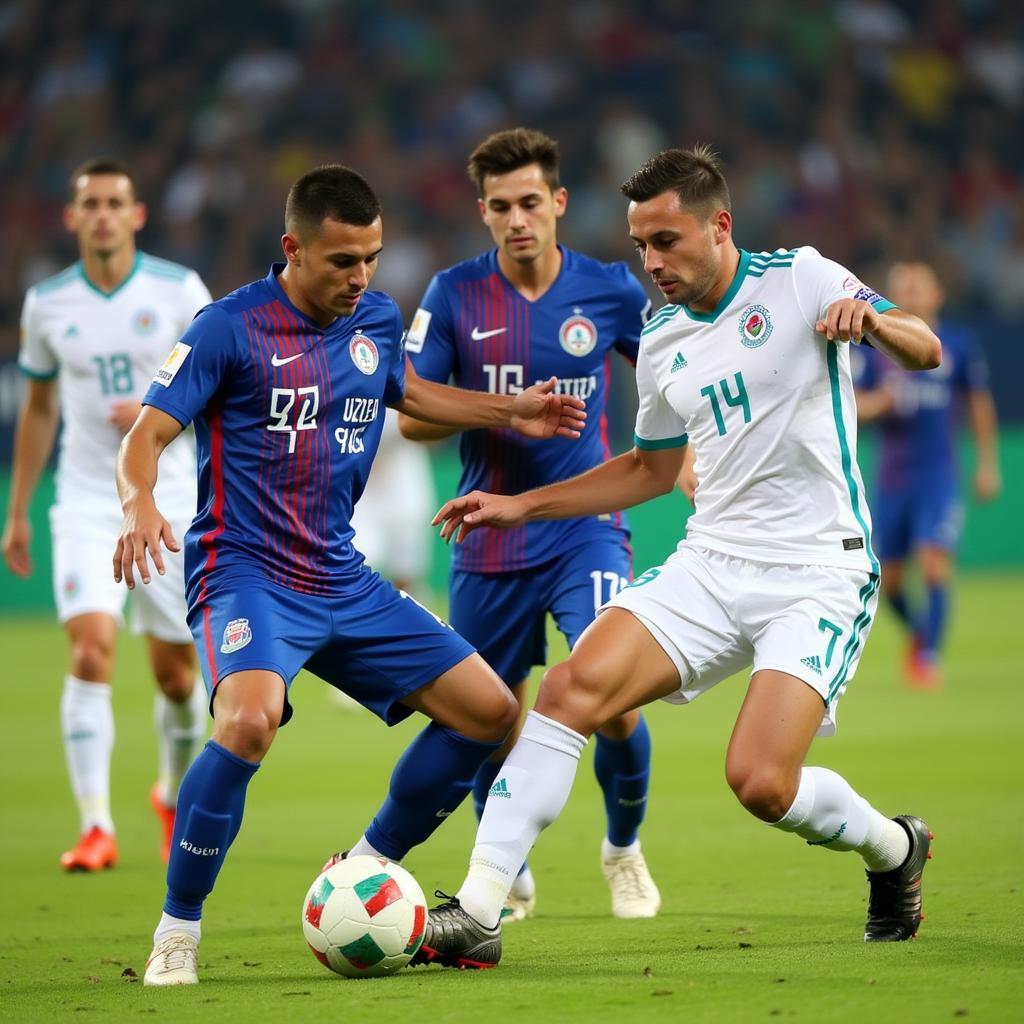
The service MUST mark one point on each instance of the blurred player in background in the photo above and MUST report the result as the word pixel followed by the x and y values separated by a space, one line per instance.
pixel 392 518
pixel 286 380
pixel 776 571
pixel 102 327
pixel 917 501
pixel 524 311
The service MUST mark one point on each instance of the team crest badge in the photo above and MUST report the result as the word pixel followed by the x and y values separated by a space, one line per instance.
pixel 144 321
pixel 578 335
pixel 236 635
pixel 364 354
pixel 755 326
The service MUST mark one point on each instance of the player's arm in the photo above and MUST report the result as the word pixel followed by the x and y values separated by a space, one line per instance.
pixel 144 527
pixel 34 436
pixel 534 412
pixel 981 416
pixel 627 480
pixel 687 480
pixel 903 337
pixel 420 430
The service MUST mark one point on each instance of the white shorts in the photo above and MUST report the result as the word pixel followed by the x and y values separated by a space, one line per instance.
pixel 392 518
pixel 715 615
pixel 83 578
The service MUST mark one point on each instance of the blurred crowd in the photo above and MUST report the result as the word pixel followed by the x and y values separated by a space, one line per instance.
pixel 873 129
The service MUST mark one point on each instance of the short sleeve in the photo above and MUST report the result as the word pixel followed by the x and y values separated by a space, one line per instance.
pixel 819 282
pixel 194 296
pixel 36 358
pixel 636 311
pixel 430 340
pixel 394 387
pixel 658 425
pixel 195 367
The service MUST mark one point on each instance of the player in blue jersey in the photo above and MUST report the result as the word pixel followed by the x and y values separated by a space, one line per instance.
pixel 286 381
pixel 527 310
pixel 916 500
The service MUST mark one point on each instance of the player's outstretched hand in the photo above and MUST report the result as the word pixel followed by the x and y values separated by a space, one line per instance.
pixel 538 412
pixel 142 530
pixel 848 320
pixel 478 508
pixel 16 545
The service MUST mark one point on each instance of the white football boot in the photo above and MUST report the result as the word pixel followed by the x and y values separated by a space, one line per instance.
pixel 174 961
pixel 634 893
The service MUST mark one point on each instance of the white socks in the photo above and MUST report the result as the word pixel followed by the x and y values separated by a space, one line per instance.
pixel 180 729
pixel 828 813
pixel 537 775
pixel 361 848
pixel 175 925
pixel 87 723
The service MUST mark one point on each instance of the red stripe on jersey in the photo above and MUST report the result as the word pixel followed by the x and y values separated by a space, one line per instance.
pixel 208 643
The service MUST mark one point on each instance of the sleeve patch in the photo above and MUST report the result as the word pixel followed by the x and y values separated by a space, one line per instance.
pixel 172 364
pixel 417 333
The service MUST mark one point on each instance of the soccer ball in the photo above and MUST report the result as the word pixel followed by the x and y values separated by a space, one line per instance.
pixel 364 917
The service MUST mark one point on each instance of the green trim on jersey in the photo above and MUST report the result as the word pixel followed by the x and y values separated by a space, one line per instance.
pixel 723 302
pixel 36 375
pixel 99 291
pixel 844 448
pixel 863 620
pixel 663 316
pixel 163 268
pixel 67 276
pixel 884 305
pixel 665 442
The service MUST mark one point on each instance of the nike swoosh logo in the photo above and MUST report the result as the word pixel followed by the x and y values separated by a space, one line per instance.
pixel 276 360
pixel 477 335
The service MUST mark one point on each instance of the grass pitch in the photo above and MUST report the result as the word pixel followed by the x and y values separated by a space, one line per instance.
pixel 755 926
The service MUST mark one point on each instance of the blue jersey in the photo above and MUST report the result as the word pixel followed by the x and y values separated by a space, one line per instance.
pixel 474 327
pixel 918 438
pixel 287 416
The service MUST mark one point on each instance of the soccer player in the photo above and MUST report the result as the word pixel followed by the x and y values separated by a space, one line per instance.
pixel 527 310
pixel 918 508
pixel 101 328
pixel 286 381
pixel 749 360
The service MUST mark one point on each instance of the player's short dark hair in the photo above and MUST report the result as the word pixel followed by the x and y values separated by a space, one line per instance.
pixel 331 192
pixel 511 149
pixel 695 175
pixel 100 165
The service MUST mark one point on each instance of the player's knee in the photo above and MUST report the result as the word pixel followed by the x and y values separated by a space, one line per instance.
pixel 246 731
pixel 572 693
pixel 91 659
pixel 176 682
pixel 765 791
pixel 501 716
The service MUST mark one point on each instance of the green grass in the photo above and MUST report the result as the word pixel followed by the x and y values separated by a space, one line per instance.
pixel 755 926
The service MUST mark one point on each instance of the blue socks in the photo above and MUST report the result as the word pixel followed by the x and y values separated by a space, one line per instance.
pixel 431 779
pixel 209 814
pixel 623 768
pixel 934 621
pixel 898 603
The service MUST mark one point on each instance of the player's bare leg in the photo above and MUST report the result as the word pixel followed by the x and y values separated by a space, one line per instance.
pixel 247 708
pixel 180 719
pixel 87 724
pixel 764 767
pixel 616 666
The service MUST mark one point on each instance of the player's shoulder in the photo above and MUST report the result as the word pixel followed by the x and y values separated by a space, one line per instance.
pixel 378 307
pixel 476 268
pixel 56 284
pixel 760 264
pixel 615 274
pixel 164 270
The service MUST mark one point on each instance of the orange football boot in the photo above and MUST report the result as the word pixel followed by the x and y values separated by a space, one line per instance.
pixel 166 816
pixel 94 851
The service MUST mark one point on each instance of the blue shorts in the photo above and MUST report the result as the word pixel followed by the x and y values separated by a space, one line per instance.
pixel 907 519
pixel 374 642
pixel 503 614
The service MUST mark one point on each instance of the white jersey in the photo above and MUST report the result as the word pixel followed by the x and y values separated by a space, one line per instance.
pixel 769 405
pixel 106 348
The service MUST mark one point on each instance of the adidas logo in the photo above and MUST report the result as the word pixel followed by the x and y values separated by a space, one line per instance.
pixel 678 363
pixel 500 788
pixel 813 662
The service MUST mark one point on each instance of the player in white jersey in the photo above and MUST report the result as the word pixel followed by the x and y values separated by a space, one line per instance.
pixel 102 328
pixel 750 362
